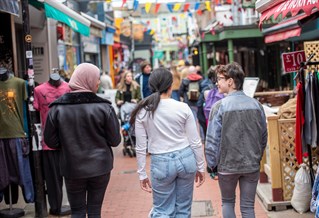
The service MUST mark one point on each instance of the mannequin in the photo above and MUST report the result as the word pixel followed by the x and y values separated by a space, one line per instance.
pixel 14 144
pixel 44 95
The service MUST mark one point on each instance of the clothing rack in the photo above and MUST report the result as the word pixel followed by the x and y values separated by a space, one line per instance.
pixel 11 212
pixel 301 77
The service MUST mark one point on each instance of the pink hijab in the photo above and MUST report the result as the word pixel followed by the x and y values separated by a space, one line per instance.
pixel 85 78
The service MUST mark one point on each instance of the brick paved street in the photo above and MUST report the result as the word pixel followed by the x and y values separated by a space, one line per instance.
pixel 125 199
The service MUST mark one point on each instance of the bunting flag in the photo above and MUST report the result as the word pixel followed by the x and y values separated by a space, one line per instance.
pixel 190 14
pixel 152 32
pixel 182 16
pixel 123 2
pixel 203 35
pixel 148 7
pixel 197 6
pixel 157 7
pixel 208 5
pixel 177 6
pixel 186 7
pixel 170 7
pixel 199 12
pixel 135 5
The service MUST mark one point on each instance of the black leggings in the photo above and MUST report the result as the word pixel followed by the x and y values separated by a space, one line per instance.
pixel 86 195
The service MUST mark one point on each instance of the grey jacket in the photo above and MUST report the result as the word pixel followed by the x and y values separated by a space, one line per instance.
pixel 236 134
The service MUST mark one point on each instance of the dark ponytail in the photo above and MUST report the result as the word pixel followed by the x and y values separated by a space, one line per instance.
pixel 159 82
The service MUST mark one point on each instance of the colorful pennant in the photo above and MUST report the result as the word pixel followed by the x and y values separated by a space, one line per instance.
pixel 135 5
pixel 148 7
pixel 177 6
pixel 186 7
pixel 157 7
pixel 207 3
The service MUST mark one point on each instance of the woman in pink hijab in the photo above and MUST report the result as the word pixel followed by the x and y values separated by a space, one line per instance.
pixel 85 128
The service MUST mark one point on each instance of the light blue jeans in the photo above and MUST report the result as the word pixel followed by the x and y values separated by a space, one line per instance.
pixel 247 187
pixel 172 177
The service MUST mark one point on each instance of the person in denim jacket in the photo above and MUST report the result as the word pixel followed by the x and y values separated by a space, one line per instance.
pixel 235 143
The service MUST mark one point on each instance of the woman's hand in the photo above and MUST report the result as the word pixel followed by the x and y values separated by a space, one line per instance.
pixel 119 102
pixel 199 178
pixel 146 185
pixel 134 101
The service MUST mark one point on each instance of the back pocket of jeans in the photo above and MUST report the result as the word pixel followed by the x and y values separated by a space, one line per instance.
pixel 189 164
pixel 159 170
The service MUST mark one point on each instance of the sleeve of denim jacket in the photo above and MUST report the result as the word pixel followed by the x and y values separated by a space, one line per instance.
pixel 141 144
pixel 213 136
pixel 194 140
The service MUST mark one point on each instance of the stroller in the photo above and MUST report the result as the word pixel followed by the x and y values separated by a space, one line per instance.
pixel 127 130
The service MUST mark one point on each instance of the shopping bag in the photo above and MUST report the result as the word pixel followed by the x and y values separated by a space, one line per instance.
pixel 301 196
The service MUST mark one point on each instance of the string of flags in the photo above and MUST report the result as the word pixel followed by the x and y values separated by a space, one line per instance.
pixel 178 7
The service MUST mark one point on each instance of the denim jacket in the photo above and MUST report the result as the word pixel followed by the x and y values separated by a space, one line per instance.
pixel 236 134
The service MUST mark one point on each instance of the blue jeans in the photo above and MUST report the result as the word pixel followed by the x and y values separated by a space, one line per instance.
pixel 86 195
pixel 175 95
pixel 172 177
pixel 247 186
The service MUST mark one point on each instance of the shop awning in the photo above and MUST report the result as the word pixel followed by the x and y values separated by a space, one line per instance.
pixel 96 25
pixel 58 11
pixel 288 28
pixel 62 13
pixel 292 7
pixel 279 36
pixel 10 6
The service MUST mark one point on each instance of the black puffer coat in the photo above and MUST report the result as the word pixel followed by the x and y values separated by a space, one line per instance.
pixel 85 127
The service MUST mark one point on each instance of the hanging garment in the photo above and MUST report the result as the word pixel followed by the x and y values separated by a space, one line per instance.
pixel 44 95
pixel 12 95
pixel 316 102
pixel 310 125
pixel 15 166
pixel 299 122
pixel 314 204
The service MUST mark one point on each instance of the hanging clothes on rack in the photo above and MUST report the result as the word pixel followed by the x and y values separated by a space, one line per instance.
pixel 14 145
pixel 300 119
pixel 310 125
pixel 306 135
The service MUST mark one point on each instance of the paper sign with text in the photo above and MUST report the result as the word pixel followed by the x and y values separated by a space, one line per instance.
pixel 291 60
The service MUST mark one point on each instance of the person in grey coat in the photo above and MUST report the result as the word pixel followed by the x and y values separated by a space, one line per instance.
pixel 235 143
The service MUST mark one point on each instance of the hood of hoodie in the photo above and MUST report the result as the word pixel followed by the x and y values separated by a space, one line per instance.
pixel 194 77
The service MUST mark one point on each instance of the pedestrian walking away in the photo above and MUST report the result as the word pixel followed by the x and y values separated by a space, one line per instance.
pixel 175 148
pixel 85 128
pixel 235 142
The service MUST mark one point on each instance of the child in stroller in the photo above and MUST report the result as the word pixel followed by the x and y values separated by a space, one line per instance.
pixel 127 130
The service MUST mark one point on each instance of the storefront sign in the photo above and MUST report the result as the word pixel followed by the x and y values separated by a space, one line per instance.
pixel 291 60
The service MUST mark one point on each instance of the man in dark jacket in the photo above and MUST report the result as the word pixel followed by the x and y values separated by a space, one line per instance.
pixel 143 78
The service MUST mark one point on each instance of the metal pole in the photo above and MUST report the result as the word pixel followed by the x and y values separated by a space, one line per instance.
pixel 132 45
pixel 40 200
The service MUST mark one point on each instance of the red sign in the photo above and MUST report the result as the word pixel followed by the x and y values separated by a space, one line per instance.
pixel 291 60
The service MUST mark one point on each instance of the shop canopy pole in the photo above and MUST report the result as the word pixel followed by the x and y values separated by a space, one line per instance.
pixel 40 199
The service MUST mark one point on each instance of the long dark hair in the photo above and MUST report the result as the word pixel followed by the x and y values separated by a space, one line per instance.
pixel 159 82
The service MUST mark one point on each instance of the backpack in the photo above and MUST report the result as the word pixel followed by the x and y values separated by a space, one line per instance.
pixel 193 91
pixel 212 97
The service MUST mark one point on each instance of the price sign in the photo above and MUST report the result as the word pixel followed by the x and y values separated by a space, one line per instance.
pixel 291 60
